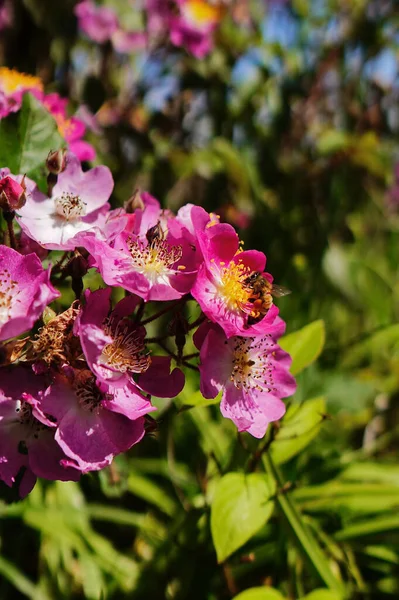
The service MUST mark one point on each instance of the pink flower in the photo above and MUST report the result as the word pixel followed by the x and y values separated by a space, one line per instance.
pixel 97 22
pixel 194 26
pixel 27 446
pixel 78 203
pixel 13 85
pixel 253 375
pixel 12 193
pixel 91 424
pixel 6 14
pixel 223 287
pixel 154 259
pixel 25 291
pixel 114 348
pixel 72 129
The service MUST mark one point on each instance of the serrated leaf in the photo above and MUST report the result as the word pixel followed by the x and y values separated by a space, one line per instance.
pixel 260 593
pixel 299 427
pixel 27 137
pixel 304 345
pixel 241 506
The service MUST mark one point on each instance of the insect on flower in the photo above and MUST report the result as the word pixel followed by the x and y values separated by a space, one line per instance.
pixel 262 292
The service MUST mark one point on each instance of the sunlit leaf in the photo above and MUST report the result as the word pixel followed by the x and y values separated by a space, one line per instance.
pixel 241 506
pixel 298 428
pixel 260 593
pixel 304 345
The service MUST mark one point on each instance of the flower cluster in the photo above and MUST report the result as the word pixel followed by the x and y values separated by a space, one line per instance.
pixel 189 24
pixel 13 86
pixel 76 385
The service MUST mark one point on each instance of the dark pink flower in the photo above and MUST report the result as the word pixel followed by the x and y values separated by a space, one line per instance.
pixel 12 193
pixel 78 203
pixel 115 351
pixel 193 27
pixel 72 129
pixel 27 445
pixel 92 426
pixel 223 289
pixel 25 291
pixel 154 259
pixel 253 375
pixel 97 22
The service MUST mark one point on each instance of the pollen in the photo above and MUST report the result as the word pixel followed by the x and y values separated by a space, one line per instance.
pixel 156 259
pixel 253 368
pixel 13 81
pixel 127 351
pixel 232 286
pixel 8 294
pixel 70 207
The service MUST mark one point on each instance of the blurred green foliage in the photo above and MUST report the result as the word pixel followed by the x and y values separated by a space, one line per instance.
pixel 292 140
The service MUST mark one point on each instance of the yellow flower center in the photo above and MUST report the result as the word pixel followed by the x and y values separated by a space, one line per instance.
pixel 12 81
pixel 202 13
pixel 155 260
pixel 232 287
pixel 66 127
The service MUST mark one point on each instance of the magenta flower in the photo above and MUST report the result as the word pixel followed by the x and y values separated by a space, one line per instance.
pixel 193 27
pixel 97 22
pixel 13 85
pixel 78 203
pixel 253 375
pixel 72 129
pixel 114 348
pixel 27 446
pixel 154 259
pixel 25 291
pixel 112 344
pixel 223 289
pixel 91 424
pixel 6 14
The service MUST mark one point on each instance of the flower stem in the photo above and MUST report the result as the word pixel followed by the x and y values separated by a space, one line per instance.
pixel 9 217
pixel 165 310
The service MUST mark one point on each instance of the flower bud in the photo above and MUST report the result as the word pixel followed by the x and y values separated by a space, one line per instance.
pixel 12 194
pixel 56 161
pixel 134 202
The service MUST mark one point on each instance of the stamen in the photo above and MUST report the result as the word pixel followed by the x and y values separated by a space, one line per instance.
pixel 127 351
pixel 89 395
pixel 8 294
pixel 232 287
pixel 155 259
pixel 252 368
pixel 55 343
pixel 70 207
pixel 25 418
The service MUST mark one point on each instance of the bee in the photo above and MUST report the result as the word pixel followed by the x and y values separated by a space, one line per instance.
pixel 262 292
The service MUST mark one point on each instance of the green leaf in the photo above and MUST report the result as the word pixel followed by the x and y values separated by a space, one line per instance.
pixel 322 594
pixel 260 593
pixel 299 427
pixel 20 581
pixel 197 399
pixel 369 527
pixel 304 345
pixel 241 506
pixel 145 488
pixel 27 137
pixel 300 531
